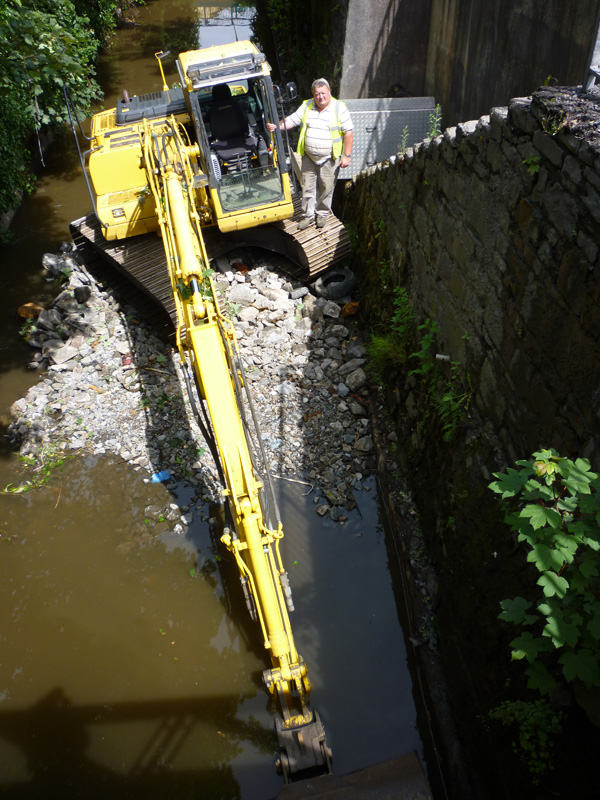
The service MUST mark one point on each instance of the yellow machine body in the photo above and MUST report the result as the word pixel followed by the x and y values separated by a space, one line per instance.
pixel 240 176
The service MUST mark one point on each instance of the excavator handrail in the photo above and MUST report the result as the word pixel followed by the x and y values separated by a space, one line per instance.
pixel 72 112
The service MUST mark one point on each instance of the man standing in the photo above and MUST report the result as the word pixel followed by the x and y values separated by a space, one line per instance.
pixel 325 145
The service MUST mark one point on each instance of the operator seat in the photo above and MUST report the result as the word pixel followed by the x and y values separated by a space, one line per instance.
pixel 232 135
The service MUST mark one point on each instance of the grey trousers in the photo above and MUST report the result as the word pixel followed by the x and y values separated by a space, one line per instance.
pixel 318 183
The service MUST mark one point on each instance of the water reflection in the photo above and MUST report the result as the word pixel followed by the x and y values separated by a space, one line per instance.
pixel 119 666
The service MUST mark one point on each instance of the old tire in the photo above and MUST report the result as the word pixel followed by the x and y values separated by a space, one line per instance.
pixel 335 284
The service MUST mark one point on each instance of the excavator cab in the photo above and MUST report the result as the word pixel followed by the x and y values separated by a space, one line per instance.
pixel 235 140
pixel 230 99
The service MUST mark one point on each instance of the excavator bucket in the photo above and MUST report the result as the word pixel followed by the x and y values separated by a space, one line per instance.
pixel 303 749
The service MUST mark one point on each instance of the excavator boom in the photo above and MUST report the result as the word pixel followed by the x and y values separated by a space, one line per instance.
pixel 208 349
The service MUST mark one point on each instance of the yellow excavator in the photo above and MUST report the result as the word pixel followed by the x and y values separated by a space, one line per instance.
pixel 180 162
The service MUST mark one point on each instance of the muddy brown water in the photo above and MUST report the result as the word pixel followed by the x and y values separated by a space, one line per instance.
pixel 127 664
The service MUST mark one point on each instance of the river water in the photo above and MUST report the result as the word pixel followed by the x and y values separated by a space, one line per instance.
pixel 126 668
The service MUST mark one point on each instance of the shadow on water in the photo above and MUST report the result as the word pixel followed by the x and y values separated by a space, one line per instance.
pixel 53 737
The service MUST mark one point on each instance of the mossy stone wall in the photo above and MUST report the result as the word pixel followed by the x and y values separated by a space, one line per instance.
pixel 493 227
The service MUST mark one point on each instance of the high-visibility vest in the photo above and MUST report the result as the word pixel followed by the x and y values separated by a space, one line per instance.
pixel 335 126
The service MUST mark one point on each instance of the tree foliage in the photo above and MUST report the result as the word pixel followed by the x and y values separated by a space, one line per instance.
pixel 553 505
pixel 44 44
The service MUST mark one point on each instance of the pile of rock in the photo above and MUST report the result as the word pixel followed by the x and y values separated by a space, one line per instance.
pixel 112 385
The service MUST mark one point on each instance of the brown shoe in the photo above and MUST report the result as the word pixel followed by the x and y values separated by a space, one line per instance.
pixel 304 223
pixel 321 221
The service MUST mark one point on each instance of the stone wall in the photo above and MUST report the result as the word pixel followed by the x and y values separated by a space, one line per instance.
pixel 494 230
pixel 494 227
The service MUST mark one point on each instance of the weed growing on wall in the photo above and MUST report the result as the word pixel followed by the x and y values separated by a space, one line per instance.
pixel 533 164
pixel 452 400
pixel 537 726
pixel 388 348
pixel 448 396
pixel 402 147
pixel 435 122
pixel 445 396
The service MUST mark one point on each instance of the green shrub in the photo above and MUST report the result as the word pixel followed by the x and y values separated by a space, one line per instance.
pixel 538 725
pixel 553 506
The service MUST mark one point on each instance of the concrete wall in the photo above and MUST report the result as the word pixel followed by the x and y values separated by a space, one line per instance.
pixel 483 52
pixel 386 44
pixel 468 54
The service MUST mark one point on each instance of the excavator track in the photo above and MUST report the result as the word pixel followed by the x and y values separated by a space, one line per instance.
pixel 304 255
pixel 312 250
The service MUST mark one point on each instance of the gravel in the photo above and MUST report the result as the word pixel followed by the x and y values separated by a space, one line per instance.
pixel 109 384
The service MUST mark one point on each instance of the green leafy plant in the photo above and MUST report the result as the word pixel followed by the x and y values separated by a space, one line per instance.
pixel 435 122
pixel 452 401
pixel 390 347
pixel 553 505
pixel 538 725
pixel 45 45
pixel 27 328
pixel 43 465
pixel 402 317
pixel 449 396
pixel 553 122
pixel 533 164
pixel 384 273
pixel 425 360
pixel 379 228
pixel 402 147
pixel 383 351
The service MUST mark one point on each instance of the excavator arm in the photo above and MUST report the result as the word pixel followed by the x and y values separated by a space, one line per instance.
pixel 210 357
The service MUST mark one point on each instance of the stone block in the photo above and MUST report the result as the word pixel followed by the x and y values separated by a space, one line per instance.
pixel 588 247
pixel 498 119
pixel 592 177
pixel 572 143
pixel 510 155
pixel 494 321
pixel 466 129
pixel 571 174
pixel 494 155
pixel 448 151
pixel 561 210
pixel 549 148
pixel 527 222
pixel 489 400
pixel 591 202
pixel 590 318
pixel 519 115
pixel 541 402
pixel 521 370
pixel 570 280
